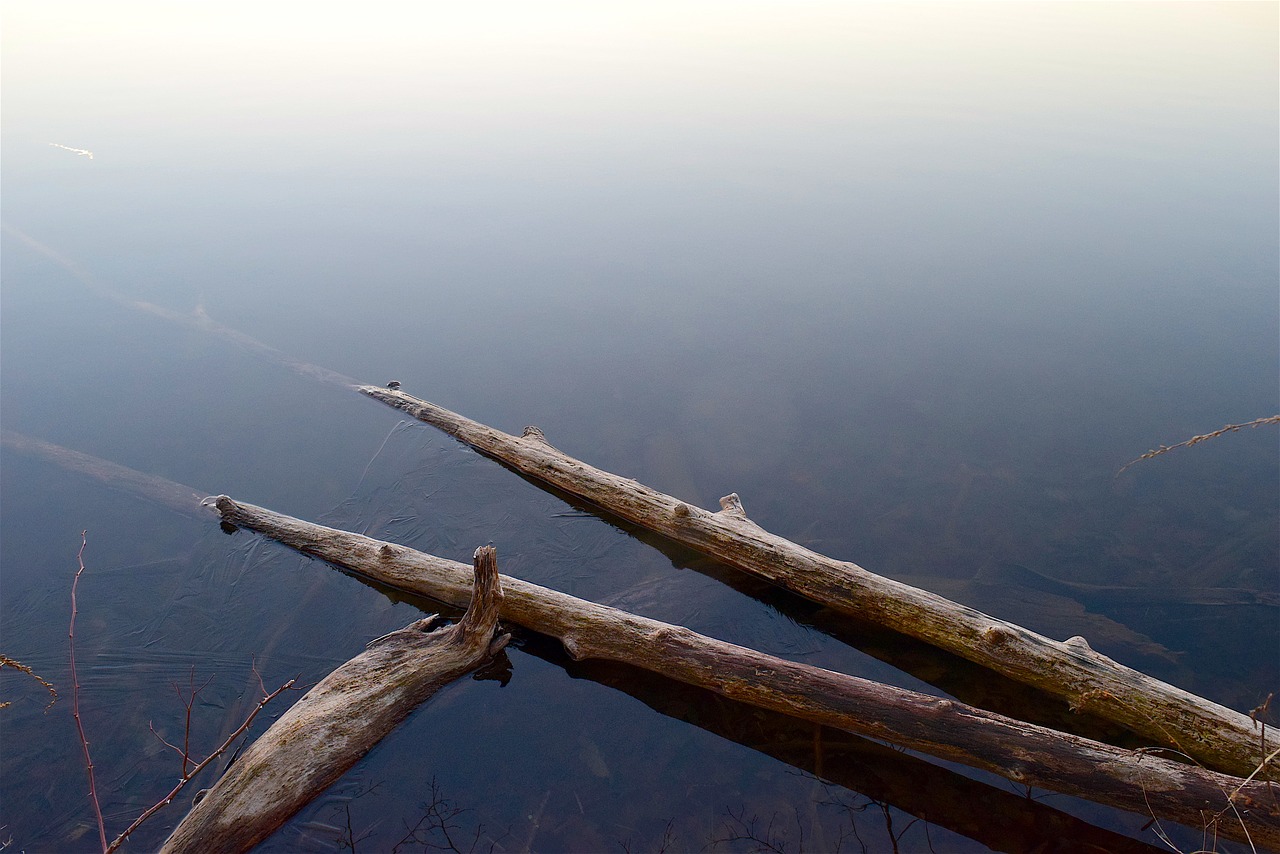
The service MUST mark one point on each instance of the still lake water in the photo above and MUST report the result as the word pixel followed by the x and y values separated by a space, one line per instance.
pixel 914 280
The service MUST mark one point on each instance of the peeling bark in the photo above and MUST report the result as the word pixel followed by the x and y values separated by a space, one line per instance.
pixel 1211 734
pixel 339 720
pixel 1021 752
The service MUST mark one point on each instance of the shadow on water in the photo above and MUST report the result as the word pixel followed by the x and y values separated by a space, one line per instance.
pixel 996 817
pixel 885 776
pixel 949 673
pixel 962 679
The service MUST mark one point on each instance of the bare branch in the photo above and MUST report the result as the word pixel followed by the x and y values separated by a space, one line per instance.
pixel 173 747
pixel 186 778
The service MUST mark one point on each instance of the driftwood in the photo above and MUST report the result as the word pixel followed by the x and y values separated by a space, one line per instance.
pixel 1024 753
pixel 1218 737
pixel 340 720
pixel 1008 821
pixel 990 813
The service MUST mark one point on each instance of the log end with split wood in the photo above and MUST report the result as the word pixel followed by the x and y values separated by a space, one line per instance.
pixel 339 720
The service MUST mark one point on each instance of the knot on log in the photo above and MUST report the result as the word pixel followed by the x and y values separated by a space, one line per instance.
pixel 664 635
pixel 532 432
pixel 1085 697
pixel 1078 643
pixel 387 551
pixel 997 636
pixel 571 646
pixel 731 505
pixel 682 511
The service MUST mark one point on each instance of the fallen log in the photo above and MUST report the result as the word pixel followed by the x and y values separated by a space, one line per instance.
pixel 1005 820
pixel 956 676
pixel 340 720
pixel 1218 737
pixel 1024 753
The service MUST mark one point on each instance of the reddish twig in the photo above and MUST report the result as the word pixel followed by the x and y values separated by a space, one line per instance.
pixel 75 697
pixel 161 739
pixel 188 703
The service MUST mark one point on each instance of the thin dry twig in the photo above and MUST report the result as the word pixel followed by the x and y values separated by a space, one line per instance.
pixel 1195 440
pixel 6 661
pixel 75 696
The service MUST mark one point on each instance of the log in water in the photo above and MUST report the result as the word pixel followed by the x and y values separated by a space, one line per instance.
pixel 340 720
pixel 1021 752
pixel 1211 734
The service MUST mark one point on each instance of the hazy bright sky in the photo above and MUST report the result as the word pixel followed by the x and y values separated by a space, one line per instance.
pixel 188 68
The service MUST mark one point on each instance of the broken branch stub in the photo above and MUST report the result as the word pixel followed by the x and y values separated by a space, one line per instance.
pixel 1218 737
pixel 1025 753
pixel 339 720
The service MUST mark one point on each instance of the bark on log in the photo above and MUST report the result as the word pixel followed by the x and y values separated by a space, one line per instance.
pixel 1021 752
pixel 1218 737
pixel 340 720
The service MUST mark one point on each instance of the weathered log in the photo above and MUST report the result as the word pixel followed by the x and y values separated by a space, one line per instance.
pixel 1218 737
pixel 989 813
pixel 1021 752
pixel 340 720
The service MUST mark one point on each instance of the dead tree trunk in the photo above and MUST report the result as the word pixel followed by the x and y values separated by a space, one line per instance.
pixel 340 720
pixel 1021 752
pixel 1211 734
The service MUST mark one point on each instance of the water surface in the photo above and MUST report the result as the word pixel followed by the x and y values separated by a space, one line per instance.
pixel 914 280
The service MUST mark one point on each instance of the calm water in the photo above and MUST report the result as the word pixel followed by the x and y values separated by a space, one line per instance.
pixel 914 280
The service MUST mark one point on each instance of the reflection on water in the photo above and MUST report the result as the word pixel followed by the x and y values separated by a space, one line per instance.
pixel 914 281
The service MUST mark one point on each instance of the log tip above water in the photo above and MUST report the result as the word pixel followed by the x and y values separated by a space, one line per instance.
pixel 220 503
pixel 532 432
pixel 480 622
pixel 386 394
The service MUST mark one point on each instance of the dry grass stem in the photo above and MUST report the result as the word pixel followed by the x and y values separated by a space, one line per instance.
pixel 1195 440
pixel 6 661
